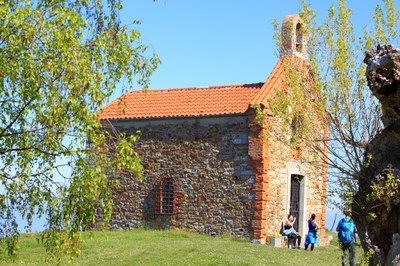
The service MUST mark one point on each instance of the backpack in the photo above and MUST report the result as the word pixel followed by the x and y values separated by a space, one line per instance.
pixel 346 231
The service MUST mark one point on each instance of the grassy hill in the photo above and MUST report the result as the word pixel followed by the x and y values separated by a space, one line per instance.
pixel 141 247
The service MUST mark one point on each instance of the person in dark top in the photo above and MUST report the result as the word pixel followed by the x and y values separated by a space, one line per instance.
pixel 290 232
pixel 312 236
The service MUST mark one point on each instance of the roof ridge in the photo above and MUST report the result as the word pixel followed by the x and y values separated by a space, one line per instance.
pixel 244 85
pixel 249 85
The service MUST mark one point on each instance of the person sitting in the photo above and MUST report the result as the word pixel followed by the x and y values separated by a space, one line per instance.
pixel 290 232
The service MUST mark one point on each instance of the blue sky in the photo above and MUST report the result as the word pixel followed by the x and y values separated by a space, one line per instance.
pixel 216 42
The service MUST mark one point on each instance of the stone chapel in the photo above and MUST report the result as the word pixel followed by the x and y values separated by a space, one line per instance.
pixel 210 165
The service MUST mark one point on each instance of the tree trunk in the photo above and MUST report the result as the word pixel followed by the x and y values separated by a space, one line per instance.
pixel 334 222
pixel 376 205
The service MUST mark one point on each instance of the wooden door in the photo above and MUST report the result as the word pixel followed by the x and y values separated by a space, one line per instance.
pixel 295 207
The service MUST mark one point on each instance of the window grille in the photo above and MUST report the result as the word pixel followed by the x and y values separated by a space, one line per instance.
pixel 167 198
pixel 165 195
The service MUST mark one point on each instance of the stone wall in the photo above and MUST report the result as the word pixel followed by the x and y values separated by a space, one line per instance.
pixel 221 189
pixel 208 160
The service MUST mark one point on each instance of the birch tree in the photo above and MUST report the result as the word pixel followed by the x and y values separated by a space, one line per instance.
pixel 60 62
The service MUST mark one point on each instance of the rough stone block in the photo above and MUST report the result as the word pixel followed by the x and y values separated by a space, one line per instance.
pixel 243 172
pixel 275 241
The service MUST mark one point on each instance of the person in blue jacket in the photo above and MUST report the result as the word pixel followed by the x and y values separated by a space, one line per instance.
pixel 347 238
pixel 312 236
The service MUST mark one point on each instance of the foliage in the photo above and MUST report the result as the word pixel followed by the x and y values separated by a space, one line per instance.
pixel 354 114
pixel 260 116
pixel 294 102
pixel 368 257
pixel 386 188
pixel 60 62
pixel 335 49
pixel 142 247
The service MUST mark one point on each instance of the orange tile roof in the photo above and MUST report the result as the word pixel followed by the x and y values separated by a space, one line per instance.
pixel 277 79
pixel 185 102
pixel 195 102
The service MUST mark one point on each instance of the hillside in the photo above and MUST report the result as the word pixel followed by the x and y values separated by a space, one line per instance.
pixel 141 247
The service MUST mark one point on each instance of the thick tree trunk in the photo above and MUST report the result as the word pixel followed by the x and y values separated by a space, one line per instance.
pixel 376 206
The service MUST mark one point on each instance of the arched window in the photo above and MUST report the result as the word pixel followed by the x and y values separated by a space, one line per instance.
pixel 165 196
pixel 299 38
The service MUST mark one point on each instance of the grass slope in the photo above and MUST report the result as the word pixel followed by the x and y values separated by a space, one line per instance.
pixel 141 247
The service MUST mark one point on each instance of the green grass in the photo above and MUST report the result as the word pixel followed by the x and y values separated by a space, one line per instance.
pixel 141 247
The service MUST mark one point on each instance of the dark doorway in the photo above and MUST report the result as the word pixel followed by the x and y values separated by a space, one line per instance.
pixel 295 186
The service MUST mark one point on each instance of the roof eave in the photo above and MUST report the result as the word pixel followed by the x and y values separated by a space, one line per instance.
pixel 172 117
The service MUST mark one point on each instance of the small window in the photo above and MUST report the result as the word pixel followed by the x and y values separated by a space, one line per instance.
pixel 167 197
pixel 297 127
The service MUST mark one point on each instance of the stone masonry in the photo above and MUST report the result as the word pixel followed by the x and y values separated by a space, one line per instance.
pixel 210 165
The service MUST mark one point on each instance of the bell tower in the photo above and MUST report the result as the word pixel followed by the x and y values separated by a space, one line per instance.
pixel 293 37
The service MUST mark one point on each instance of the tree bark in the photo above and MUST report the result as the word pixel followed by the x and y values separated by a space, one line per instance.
pixel 376 205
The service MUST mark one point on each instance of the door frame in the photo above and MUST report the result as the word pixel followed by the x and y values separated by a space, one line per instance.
pixel 293 168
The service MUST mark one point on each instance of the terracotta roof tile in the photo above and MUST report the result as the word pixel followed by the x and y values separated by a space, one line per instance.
pixel 195 102
pixel 213 100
